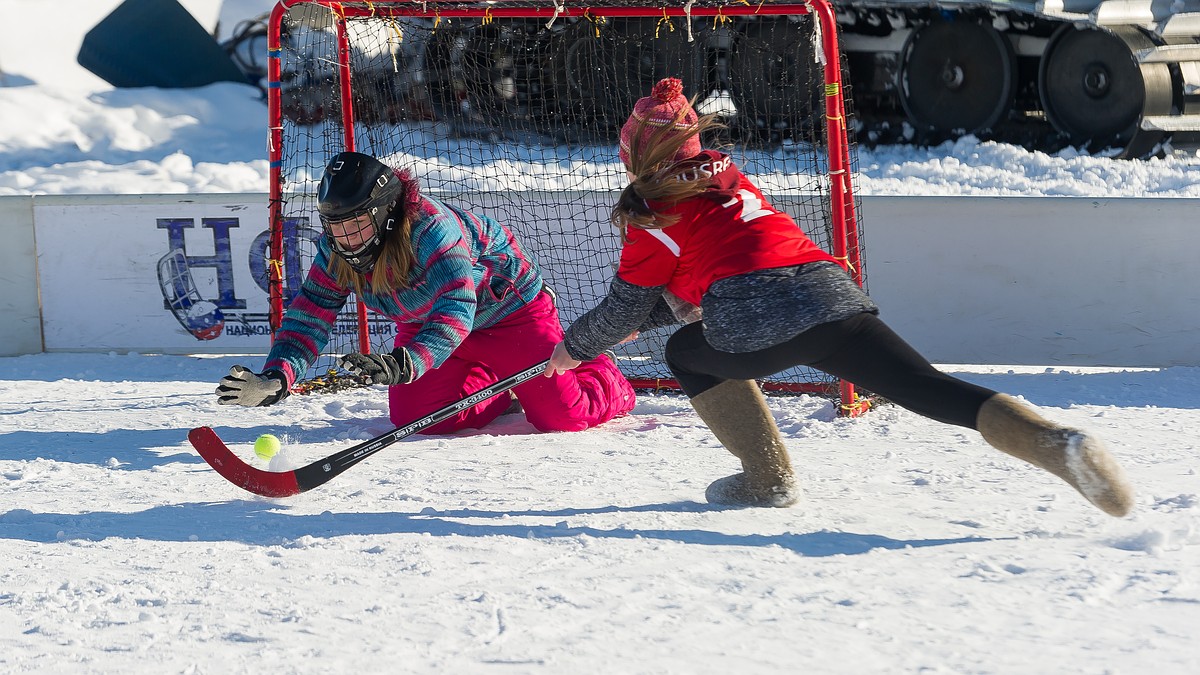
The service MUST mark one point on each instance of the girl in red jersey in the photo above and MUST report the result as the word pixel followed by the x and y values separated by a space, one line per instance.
pixel 695 229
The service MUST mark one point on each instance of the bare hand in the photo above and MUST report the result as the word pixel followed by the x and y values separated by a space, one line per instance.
pixel 560 361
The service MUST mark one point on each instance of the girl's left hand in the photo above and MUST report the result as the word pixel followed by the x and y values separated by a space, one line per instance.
pixel 560 361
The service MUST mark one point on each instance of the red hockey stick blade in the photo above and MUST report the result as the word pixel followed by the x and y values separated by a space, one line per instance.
pixel 220 457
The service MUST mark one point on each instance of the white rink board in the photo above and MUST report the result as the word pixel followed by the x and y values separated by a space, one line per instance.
pixel 987 280
pixel 97 270
pixel 1039 280
pixel 20 329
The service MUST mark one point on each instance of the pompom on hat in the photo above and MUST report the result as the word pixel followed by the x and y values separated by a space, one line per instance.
pixel 660 109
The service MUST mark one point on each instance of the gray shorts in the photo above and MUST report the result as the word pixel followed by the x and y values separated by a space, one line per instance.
pixel 757 310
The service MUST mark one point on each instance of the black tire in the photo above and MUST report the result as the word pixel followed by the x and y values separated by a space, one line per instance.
pixel 1095 92
pixel 956 78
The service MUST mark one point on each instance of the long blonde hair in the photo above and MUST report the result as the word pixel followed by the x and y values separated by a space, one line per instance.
pixel 395 261
pixel 656 175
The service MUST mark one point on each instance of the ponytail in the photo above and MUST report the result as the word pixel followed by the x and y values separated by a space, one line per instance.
pixel 656 176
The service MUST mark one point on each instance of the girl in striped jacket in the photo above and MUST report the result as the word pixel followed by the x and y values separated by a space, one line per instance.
pixel 694 227
pixel 470 308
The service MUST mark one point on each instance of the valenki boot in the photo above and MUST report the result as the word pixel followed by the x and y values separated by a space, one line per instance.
pixel 1073 455
pixel 737 414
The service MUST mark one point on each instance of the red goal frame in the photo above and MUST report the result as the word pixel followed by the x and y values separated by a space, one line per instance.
pixel 845 244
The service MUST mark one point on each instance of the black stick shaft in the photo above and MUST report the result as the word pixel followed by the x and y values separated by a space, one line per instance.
pixel 322 470
pixel 288 483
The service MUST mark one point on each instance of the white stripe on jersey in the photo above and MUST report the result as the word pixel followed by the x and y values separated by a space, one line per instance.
pixel 666 240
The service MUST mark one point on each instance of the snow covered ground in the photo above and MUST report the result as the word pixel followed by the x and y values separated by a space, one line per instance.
pixel 917 548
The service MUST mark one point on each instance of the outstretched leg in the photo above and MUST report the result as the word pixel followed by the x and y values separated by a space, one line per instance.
pixel 865 351
pixel 1073 455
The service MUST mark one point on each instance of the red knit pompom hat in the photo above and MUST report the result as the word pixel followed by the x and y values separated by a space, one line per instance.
pixel 657 110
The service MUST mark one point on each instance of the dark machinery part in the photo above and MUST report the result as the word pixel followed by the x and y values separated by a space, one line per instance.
pixel 956 78
pixel 1119 77
pixel 1097 94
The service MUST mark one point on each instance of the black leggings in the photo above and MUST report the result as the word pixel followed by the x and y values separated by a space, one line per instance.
pixel 861 349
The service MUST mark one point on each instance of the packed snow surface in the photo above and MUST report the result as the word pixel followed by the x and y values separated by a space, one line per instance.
pixel 915 548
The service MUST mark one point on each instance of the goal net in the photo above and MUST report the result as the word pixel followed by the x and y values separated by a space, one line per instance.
pixel 512 108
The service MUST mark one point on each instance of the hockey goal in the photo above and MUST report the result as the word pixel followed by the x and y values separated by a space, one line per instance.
pixel 512 108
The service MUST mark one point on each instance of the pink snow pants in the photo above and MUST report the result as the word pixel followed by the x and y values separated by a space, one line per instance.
pixel 591 394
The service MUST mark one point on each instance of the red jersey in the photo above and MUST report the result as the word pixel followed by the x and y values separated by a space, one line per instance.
pixel 727 230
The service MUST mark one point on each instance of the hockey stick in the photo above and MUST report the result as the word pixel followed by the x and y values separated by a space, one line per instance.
pixel 293 482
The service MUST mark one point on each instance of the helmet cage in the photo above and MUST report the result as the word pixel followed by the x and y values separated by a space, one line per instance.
pixel 355 185
pixel 361 257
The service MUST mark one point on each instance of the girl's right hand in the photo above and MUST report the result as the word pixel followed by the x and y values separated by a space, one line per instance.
pixel 560 361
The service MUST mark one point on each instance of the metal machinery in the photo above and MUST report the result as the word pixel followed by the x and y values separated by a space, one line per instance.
pixel 1118 77
pixel 1121 76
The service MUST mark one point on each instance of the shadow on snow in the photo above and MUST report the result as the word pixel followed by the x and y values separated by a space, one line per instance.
pixel 136 449
pixel 255 523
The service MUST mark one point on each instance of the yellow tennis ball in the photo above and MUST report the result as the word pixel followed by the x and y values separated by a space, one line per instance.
pixel 267 446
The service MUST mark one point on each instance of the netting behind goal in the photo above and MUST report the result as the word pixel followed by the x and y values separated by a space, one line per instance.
pixel 513 109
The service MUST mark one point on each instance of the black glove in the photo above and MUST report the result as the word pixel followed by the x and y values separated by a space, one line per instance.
pixel 243 387
pixel 394 368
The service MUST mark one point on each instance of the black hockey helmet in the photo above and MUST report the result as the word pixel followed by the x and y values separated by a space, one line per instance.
pixel 354 185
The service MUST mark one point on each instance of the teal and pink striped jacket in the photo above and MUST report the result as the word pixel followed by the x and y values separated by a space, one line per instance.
pixel 469 273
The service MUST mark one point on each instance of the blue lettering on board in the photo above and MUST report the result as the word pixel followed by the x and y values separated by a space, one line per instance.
pixel 221 260
pixel 293 273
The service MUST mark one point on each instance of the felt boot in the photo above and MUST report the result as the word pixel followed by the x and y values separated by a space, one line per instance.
pixel 1073 455
pixel 737 414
